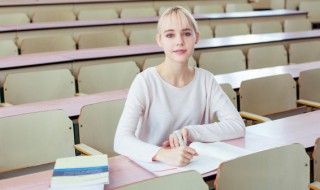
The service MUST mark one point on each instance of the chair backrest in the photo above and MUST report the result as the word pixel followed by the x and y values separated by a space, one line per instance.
pixel 208 9
pixel 143 36
pixel 227 88
pixel 53 16
pixel 304 52
pixel 285 167
pixel 154 61
pixel 8 48
pixel 163 8
pixel 47 44
pixel 268 95
pixel 316 160
pixel 309 88
pixel 268 56
pixel 138 12
pixel 107 77
pixel 102 39
pixel 98 124
pixel 35 138
pixel 234 29
pixel 312 7
pixel 190 180
pixel 296 25
pixel 238 7
pixel 98 14
pixel 223 61
pixel 266 27
pixel 26 87
pixel 205 31
pixel 14 19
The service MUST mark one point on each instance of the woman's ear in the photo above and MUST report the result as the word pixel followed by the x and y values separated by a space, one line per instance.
pixel 197 37
pixel 158 38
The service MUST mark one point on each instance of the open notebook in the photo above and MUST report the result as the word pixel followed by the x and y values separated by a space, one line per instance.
pixel 211 155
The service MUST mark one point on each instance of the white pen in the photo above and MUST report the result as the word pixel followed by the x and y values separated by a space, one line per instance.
pixel 178 135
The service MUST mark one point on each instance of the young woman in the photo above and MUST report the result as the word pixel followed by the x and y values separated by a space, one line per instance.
pixel 174 96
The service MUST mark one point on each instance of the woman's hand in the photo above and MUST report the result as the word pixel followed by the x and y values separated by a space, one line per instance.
pixel 179 156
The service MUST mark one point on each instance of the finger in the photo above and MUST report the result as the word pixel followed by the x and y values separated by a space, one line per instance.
pixel 166 144
pixel 184 134
pixel 171 141
pixel 191 151
pixel 175 141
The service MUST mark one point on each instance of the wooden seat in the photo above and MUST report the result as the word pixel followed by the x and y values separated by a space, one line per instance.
pixel 8 48
pixel 138 12
pixel 26 87
pixel 205 31
pixel 102 39
pixel 309 89
pixel 34 139
pixel 98 123
pixel 47 44
pixel 304 52
pixel 223 61
pixel 238 7
pixel 53 16
pixel 268 56
pixel 224 30
pixel 14 19
pixel 208 9
pixel 107 77
pixel 315 185
pixel 143 36
pixel 151 62
pixel 312 7
pixel 285 167
pixel 297 25
pixel 190 180
pixel 98 14
pixel 266 27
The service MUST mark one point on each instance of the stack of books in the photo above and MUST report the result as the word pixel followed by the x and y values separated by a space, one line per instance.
pixel 81 173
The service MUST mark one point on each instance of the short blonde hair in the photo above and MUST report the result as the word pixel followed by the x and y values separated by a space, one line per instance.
pixel 185 17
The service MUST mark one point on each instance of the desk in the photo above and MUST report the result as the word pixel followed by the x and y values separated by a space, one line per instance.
pixel 302 129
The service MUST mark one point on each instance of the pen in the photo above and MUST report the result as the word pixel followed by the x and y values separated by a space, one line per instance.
pixel 178 135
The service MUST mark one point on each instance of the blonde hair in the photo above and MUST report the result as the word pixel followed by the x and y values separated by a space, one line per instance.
pixel 185 18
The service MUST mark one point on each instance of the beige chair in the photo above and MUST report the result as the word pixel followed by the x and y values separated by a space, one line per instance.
pixel 34 139
pixel 205 31
pixel 304 52
pixel 53 16
pixel 47 44
pixel 309 89
pixel 227 88
pixel 223 61
pixel 163 8
pixel 238 7
pixel 297 25
pixel 21 88
pixel 263 97
pixel 268 56
pixel 190 180
pixel 107 77
pixel 98 14
pixel 154 61
pixel 316 166
pixel 14 19
pixel 266 27
pixel 285 167
pixel 98 123
pixel 225 30
pixel 312 7
pixel 143 36
pixel 8 48
pixel 138 12
pixel 208 9
pixel 102 39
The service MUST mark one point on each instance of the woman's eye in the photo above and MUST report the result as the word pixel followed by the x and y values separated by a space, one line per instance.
pixel 169 35
pixel 187 34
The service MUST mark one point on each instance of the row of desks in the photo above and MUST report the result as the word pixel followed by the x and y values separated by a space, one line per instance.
pixel 302 129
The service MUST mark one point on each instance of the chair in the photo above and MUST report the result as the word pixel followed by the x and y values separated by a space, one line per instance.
pixel 47 44
pixel 143 36
pixel 26 87
pixel 163 8
pixel 106 77
pixel 53 16
pixel 267 96
pixel 296 25
pixel 316 166
pixel 309 89
pixel 190 180
pixel 138 12
pixel 205 32
pixel 208 9
pixel 102 39
pixel 223 61
pixel 238 7
pixel 266 27
pixel 268 56
pixel 98 14
pixel 304 52
pixel 312 7
pixel 227 88
pixel 14 19
pixel 34 139
pixel 285 167
pixel 154 61
pixel 8 48
pixel 225 30
pixel 98 124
